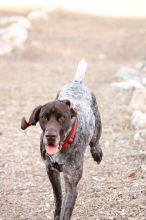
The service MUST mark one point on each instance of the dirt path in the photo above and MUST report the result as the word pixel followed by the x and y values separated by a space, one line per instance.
pixel 117 188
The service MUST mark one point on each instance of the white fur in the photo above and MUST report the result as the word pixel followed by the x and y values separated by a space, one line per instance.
pixel 80 72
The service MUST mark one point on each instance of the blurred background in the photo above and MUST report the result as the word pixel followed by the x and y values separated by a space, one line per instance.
pixel 41 43
pixel 118 8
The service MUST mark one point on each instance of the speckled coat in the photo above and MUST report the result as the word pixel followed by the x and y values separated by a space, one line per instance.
pixel 70 161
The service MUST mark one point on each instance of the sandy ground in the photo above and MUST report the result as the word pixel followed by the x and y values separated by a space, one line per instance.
pixel 116 189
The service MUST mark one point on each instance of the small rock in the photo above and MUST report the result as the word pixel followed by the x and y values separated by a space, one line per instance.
pixel 140 135
pixel 135 84
pixel 49 217
pixel 143 168
pixel 107 144
pixel 134 196
pixel 138 101
pixel 5 49
pixel 127 73
pixel 141 66
pixel 138 120
pixel 7 20
pixel 98 179
pixel 16 34
pixel 47 205
pixel 22 21
pixel 133 173
pixel 38 14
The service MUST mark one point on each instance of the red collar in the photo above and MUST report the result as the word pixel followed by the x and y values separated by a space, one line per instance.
pixel 71 136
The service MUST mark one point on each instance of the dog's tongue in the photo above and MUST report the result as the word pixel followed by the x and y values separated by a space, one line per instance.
pixel 51 150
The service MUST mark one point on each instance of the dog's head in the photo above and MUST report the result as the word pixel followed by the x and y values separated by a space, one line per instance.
pixel 55 121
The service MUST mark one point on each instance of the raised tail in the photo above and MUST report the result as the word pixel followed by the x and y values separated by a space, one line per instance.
pixel 80 72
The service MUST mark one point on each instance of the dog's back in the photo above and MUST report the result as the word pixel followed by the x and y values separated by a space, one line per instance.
pixel 82 97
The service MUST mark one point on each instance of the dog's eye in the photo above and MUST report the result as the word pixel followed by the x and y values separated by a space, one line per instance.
pixel 44 117
pixel 61 119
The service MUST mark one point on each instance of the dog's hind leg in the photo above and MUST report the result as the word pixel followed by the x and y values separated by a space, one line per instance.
pixel 54 177
pixel 95 148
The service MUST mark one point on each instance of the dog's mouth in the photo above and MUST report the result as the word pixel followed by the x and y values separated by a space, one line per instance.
pixel 52 149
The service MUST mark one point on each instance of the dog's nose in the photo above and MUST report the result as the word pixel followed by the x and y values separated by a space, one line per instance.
pixel 51 135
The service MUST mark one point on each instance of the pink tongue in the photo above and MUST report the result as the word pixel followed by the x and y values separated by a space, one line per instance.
pixel 51 150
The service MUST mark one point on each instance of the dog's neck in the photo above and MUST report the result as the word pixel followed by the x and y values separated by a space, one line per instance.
pixel 69 137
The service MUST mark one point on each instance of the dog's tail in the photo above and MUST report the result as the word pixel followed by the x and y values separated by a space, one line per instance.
pixel 80 72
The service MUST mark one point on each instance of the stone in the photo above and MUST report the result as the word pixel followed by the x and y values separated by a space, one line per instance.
pixel 21 20
pixel 143 169
pixel 138 101
pixel 37 14
pixel 138 120
pixel 5 48
pixel 134 84
pixel 127 73
pixel 140 65
pixel 16 34
pixel 13 34
pixel 140 136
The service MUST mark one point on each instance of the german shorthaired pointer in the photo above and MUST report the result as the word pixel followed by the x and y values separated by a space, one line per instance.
pixel 69 124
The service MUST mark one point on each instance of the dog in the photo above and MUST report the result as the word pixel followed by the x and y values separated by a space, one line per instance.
pixel 69 123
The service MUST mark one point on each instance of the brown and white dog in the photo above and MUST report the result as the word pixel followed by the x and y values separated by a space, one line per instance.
pixel 69 124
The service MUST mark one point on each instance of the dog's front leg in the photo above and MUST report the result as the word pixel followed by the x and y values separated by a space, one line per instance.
pixel 71 178
pixel 54 177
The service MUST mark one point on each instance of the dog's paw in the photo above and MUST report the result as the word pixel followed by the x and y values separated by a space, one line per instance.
pixel 97 154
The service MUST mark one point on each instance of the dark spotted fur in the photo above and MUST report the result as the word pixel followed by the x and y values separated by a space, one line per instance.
pixel 70 161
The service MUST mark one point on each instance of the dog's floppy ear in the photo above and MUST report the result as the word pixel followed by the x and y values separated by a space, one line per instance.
pixel 72 107
pixel 34 117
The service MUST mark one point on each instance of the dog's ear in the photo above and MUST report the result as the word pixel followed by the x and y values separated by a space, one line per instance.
pixel 34 117
pixel 72 107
